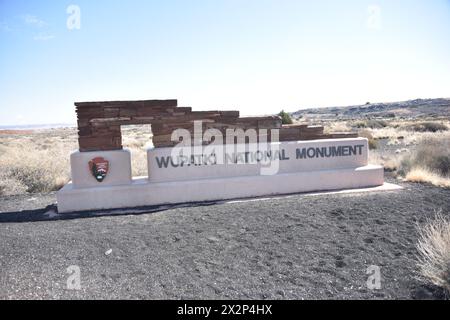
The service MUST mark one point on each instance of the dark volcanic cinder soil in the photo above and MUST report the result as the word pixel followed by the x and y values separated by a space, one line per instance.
pixel 292 247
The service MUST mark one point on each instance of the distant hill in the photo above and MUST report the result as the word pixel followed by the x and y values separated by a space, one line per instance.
pixel 404 109
pixel 37 126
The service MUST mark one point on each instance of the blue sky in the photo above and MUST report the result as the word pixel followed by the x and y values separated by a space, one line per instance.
pixel 257 56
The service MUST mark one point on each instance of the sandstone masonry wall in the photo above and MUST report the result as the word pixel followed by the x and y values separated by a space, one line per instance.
pixel 99 123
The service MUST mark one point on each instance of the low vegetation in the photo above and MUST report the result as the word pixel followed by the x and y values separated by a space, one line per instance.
pixel 428 127
pixel 38 161
pixel 373 144
pixel 371 123
pixel 434 252
pixel 35 163
pixel 285 117
pixel 427 176
pixel 429 162
pixel 414 150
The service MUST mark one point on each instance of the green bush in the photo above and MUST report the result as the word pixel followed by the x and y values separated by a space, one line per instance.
pixel 285 117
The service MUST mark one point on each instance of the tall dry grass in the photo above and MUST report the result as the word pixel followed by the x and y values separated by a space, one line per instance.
pixel 434 252
pixel 34 163
pixel 409 132
pixel 39 161
pixel 429 162
pixel 423 153
pixel 427 176
pixel 337 126
pixel 390 162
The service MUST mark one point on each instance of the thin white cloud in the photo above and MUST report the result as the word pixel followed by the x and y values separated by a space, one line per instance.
pixel 34 21
pixel 43 37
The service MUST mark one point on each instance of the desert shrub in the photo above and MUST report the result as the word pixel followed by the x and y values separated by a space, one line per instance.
pixel 434 252
pixel 429 163
pixel 371 123
pixel 428 127
pixel 39 162
pixel 10 186
pixel 359 124
pixel 442 164
pixel 424 175
pixel 388 161
pixel 26 167
pixel 431 154
pixel 373 144
pixel 337 126
pixel 376 124
pixel 285 117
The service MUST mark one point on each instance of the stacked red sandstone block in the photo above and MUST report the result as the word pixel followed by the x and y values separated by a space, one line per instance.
pixel 99 123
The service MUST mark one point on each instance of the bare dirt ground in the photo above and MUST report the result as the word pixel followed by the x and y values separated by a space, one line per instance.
pixel 292 247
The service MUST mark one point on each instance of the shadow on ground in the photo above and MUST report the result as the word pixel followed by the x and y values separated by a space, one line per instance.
pixel 50 212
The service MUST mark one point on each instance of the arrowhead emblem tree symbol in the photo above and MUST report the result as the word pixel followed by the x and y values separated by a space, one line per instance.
pixel 99 168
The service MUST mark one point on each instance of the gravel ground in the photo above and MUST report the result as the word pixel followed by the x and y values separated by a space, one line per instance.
pixel 290 247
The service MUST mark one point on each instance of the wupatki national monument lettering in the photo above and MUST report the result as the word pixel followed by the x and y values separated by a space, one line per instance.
pixel 205 156
pixel 258 156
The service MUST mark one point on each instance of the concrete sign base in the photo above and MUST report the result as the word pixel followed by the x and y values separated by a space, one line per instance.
pixel 141 192
pixel 102 179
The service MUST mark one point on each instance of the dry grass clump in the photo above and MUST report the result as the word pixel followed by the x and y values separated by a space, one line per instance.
pixel 432 153
pixel 424 175
pixel 337 126
pixel 389 133
pixel 434 252
pixel 373 144
pixel 408 132
pixel 430 162
pixel 39 170
pixel 426 161
pixel 34 163
pixel 371 123
pixel 10 185
pixel 39 161
pixel 427 127
pixel 389 162
pixel 414 138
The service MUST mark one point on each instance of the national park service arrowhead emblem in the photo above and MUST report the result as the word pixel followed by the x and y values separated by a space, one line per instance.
pixel 99 168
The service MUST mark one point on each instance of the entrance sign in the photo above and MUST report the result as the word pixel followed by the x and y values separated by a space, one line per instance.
pixel 261 157
pixel 288 157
